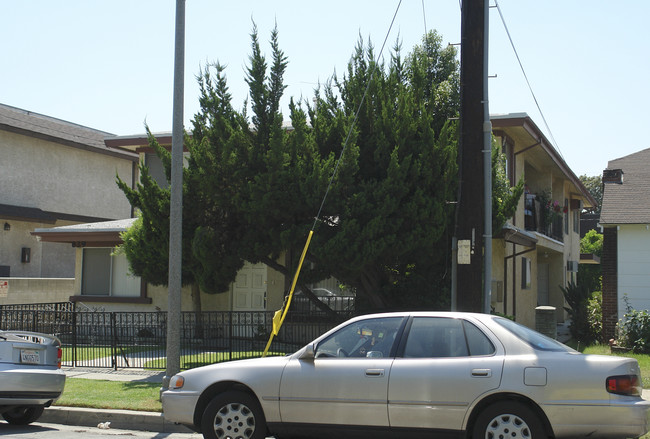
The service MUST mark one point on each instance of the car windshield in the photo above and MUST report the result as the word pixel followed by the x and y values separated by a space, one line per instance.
pixel 533 338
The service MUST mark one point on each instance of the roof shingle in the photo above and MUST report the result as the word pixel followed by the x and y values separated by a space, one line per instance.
pixel 629 201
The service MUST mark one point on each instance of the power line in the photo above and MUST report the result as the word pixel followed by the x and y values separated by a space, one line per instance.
pixel 530 88
pixel 356 116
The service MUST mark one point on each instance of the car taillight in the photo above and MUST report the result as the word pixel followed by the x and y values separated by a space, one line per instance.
pixel 624 385
pixel 59 355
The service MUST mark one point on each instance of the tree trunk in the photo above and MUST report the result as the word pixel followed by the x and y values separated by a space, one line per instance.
pixel 198 311
pixel 306 291
pixel 368 286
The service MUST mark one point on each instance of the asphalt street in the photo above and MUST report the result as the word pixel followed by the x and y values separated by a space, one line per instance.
pixel 41 430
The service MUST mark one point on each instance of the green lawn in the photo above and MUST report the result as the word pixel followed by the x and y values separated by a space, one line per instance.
pixel 101 394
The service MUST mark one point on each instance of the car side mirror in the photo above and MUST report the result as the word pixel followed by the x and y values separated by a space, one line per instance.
pixel 308 352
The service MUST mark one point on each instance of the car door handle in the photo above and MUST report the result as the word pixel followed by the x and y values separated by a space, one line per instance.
pixel 483 373
pixel 374 372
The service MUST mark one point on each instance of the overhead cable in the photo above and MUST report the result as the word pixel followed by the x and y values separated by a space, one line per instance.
pixel 548 129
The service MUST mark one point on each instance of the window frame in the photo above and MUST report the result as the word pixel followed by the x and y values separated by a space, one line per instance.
pixel 463 322
pixel 401 321
pixel 141 297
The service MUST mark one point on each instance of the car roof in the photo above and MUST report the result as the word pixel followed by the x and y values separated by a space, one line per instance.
pixel 449 314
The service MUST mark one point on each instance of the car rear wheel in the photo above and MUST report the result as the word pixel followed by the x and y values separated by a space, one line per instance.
pixel 508 420
pixel 233 415
pixel 23 415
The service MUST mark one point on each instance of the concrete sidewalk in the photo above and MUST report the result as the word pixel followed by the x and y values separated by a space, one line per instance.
pixel 120 419
pixel 142 375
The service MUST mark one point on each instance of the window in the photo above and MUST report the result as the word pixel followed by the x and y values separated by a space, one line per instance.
pixel 371 338
pixel 105 274
pixel 526 268
pixel 156 169
pixel 435 337
pixel 533 338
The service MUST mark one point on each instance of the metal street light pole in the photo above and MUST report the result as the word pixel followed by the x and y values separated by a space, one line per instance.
pixel 176 204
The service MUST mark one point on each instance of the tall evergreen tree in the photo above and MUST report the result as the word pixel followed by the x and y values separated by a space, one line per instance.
pixel 253 187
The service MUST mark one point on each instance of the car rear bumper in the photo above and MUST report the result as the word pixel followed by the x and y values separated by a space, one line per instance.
pixel 626 418
pixel 35 385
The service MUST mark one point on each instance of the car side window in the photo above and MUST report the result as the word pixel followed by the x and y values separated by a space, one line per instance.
pixel 371 338
pixel 477 341
pixel 441 337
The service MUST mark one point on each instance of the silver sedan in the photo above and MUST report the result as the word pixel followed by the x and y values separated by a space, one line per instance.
pixel 31 378
pixel 399 374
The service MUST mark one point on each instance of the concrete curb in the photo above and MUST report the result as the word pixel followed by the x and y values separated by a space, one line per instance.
pixel 121 419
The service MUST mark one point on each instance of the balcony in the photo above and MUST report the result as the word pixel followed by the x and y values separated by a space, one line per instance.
pixel 544 217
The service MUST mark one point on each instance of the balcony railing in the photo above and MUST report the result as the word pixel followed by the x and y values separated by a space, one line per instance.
pixel 542 219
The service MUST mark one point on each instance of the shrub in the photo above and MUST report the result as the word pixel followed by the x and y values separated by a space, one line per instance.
pixel 595 314
pixel 578 298
pixel 634 330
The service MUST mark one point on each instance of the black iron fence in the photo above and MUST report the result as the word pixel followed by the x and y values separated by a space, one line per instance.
pixel 139 339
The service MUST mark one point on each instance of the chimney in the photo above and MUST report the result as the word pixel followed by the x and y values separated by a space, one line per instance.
pixel 613 176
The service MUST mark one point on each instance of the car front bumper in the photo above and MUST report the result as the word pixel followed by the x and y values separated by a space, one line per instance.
pixel 179 406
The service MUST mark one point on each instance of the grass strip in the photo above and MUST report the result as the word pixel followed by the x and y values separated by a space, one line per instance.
pixel 103 394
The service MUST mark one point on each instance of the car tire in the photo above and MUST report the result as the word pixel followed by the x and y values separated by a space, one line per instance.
pixel 508 419
pixel 23 415
pixel 235 415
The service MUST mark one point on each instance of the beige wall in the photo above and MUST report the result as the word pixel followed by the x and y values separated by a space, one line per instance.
pixel 159 295
pixel 47 259
pixel 33 290
pixel 58 178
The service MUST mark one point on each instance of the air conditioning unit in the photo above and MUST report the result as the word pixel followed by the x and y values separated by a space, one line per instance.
pixel 572 266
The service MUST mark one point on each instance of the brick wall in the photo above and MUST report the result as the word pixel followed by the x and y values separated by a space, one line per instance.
pixel 609 264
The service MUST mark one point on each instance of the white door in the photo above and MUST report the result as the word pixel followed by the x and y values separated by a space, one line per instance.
pixel 249 288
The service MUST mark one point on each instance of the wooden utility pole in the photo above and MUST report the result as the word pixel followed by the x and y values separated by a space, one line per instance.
pixel 470 209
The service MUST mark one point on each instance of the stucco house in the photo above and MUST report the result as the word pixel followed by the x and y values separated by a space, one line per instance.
pixel 52 173
pixel 102 279
pixel 625 222
pixel 538 251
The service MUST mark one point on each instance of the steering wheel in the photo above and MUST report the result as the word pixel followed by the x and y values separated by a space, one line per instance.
pixel 341 352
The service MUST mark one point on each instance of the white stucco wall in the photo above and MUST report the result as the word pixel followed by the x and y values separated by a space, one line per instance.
pixel 58 178
pixel 633 267
pixel 33 290
pixel 47 259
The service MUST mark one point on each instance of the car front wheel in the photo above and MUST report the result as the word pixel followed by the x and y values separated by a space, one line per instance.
pixel 233 415
pixel 23 415
pixel 508 420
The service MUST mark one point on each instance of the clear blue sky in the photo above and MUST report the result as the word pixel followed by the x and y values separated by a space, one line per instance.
pixel 109 64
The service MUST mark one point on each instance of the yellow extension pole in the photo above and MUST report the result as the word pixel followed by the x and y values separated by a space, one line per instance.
pixel 279 316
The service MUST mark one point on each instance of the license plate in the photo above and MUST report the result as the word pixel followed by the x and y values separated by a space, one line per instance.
pixel 30 356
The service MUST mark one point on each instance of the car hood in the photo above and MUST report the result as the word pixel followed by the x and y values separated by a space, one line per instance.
pixel 249 372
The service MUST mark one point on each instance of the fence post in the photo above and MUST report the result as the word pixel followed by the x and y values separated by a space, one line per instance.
pixel 230 315
pixel 74 338
pixel 114 341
